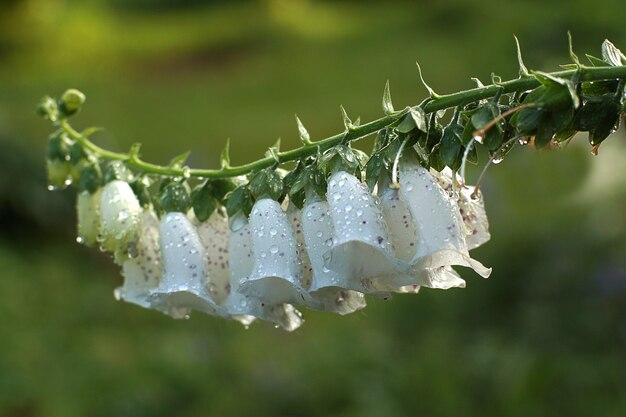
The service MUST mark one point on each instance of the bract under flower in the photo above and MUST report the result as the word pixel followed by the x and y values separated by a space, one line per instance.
pixel 441 234
pixel 361 251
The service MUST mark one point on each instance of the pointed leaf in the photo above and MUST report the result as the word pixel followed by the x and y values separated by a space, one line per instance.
pixel 387 104
pixel 225 155
pixel 305 137
pixel 431 92
pixel 347 123
pixel 523 71
pixel 612 55
pixel 179 161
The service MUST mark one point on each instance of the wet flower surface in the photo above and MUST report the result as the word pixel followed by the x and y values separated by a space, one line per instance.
pixel 326 256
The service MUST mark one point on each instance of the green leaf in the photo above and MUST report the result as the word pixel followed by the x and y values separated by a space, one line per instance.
pixel 596 62
pixel 435 160
pixel 140 188
pixel 203 202
pixel 225 155
pixel 77 153
pixel 175 198
pixel 58 147
pixel 179 160
pixel 240 200
pixel 431 92
pixel 374 169
pixel 387 104
pixel 90 178
pixel 305 137
pixel 545 132
pixel 523 71
pixel 553 95
pixel 347 123
pixel 90 131
pixel 450 146
pixel 117 170
pixel 266 183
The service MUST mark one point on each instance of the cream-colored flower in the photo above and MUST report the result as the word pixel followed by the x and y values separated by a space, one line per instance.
pixel 88 214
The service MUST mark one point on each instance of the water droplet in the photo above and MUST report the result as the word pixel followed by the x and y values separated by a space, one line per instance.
pixel 348 208
pixel 186 172
pixel 80 240
pixel 496 161
pixel 274 249
pixel 478 138
pixel 263 254
pixel 273 232
pixel 319 234
pixel 337 196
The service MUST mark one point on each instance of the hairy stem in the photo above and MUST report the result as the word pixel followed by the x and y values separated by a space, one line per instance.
pixel 438 103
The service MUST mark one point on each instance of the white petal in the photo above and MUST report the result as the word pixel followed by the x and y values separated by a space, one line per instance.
pixel 143 272
pixel 275 276
pixel 441 234
pixel 183 287
pixel 327 286
pixel 361 249
pixel 306 271
pixel 243 307
pixel 120 219
pixel 471 208
pixel 214 235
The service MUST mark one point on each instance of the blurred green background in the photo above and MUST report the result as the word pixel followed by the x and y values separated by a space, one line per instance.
pixel 544 336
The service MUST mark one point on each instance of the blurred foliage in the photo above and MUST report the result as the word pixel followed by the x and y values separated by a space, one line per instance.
pixel 546 335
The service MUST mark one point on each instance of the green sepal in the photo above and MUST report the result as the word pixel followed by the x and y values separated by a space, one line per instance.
pixel 296 195
pixel 90 178
pixel 340 158
pixel 450 145
pixel 494 137
pixel 77 153
pixel 598 116
pixel 141 189
pixel 266 183
pixel 415 118
pixel 58 147
pixel 179 160
pixel 239 200
pixel 435 160
pixel 596 62
pixel 612 55
pixel 373 170
pixel 387 104
pixel 175 198
pixel 203 201
pixel 117 170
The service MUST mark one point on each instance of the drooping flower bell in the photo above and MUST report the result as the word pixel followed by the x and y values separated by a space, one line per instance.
pixel 471 207
pixel 275 276
pixel 183 286
pixel 440 230
pixel 120 219
pixel 404 237
pixel 142 273
pixel 321 282
pixel 361 252
pixel 241 261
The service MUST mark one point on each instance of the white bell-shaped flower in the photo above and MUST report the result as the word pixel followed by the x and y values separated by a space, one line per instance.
pixel 324 284
pixel 471 208
pixel 184 286
pixel 143 272
pixel 440 230
pixel 361 250
pixel 120 219
pixel 275 276
pixel 88 213
pixel 245 307
pixel 404 238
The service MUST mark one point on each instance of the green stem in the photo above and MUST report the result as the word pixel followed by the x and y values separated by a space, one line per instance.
pixel 439 103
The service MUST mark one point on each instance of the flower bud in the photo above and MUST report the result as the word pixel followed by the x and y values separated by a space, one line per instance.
pixel 120 219
pixel 88 212
pixel 58 173
pixel 71 101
